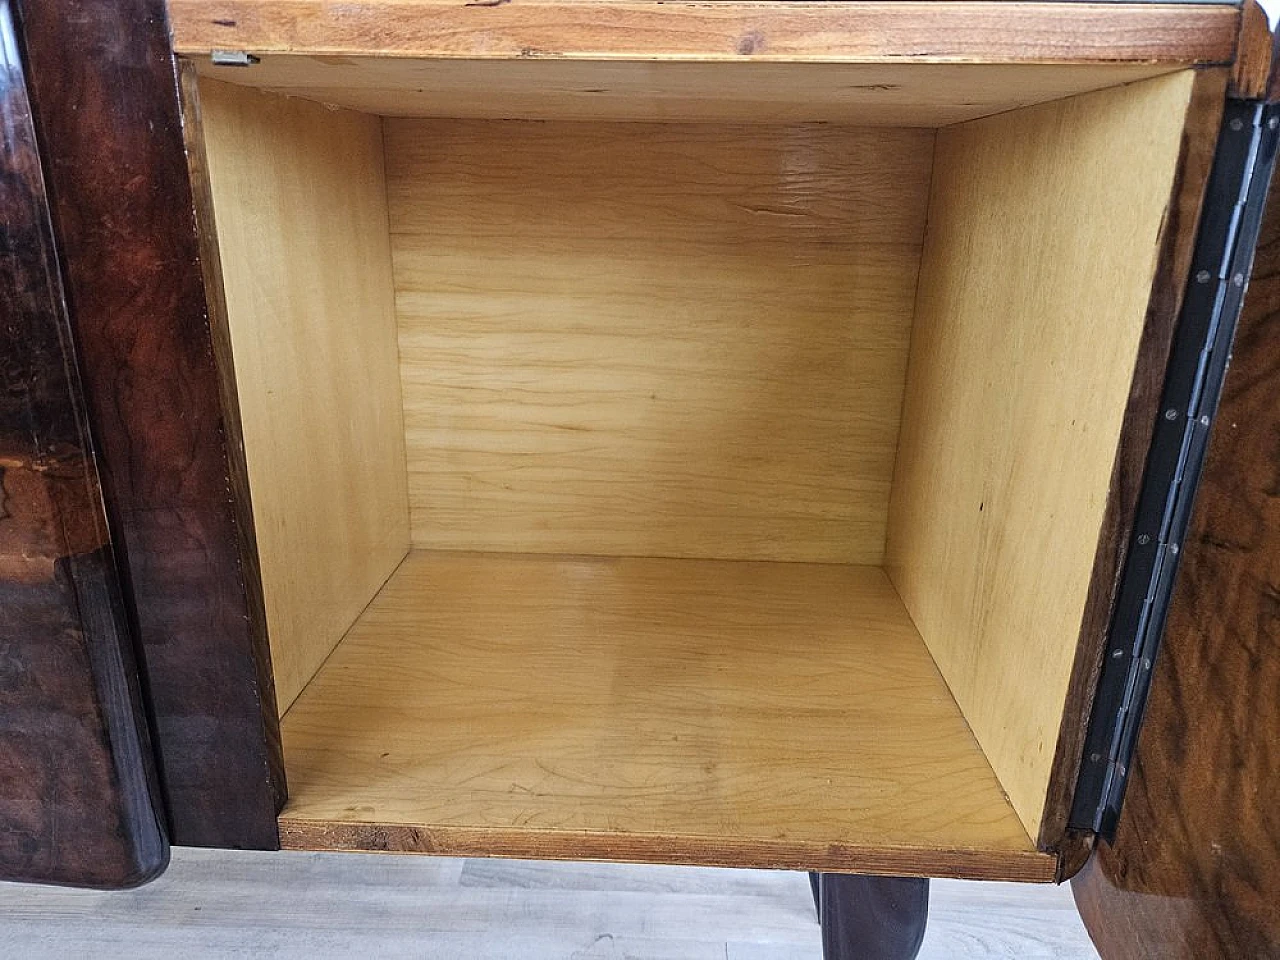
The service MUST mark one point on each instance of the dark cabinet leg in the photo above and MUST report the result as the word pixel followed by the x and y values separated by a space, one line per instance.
pixel 870 918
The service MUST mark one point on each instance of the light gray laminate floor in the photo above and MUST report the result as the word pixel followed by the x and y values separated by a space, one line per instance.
pixel 215 904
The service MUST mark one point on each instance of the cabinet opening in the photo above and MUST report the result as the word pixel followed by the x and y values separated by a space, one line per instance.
pixel 701 491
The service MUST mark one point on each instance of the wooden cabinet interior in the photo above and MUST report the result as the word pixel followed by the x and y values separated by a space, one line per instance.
pixel 699 492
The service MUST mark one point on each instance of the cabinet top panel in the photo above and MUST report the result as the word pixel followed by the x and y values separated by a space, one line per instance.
pixel 924 31
pixel 761 92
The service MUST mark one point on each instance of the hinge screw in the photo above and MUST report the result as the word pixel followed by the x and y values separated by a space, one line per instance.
pixel 1144 539
pixel 1171 414
pixel 1238 279
pixel 1095 757
pixel 1273 123
pixel 1203 276
pixel 1237 124
pixel 1204 420
pixel 1117 654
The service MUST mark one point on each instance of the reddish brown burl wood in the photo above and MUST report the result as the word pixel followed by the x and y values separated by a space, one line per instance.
pixel 75 799
pixel 104 86
pixel 1194 871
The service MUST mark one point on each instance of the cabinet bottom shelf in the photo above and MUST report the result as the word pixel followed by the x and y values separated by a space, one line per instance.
pixel 677 711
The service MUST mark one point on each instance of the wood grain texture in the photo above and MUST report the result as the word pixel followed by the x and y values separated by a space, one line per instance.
pixel 724 31
pixel 106 99
pixel 1177 242
pixel 1043 235
pixel 655 340
pixel 76 803
pixel 781 715
pixel 300 206
pixel 1192 872
pixel 867 94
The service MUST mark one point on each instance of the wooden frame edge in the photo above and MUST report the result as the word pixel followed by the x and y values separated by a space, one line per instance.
pixel 539 844
pixel 1253 74
pixel 865 31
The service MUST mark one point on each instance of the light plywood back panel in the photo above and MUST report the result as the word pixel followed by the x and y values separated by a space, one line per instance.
pixel 678 711
pixel 893 94
pixel 655 340
pixel 300 207
pixel 1042 243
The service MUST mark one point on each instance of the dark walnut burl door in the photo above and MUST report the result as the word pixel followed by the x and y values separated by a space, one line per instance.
pixel 1194 873
pixel 75 799
pixel 104 88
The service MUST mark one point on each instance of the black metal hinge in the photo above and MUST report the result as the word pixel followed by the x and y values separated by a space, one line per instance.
pixel 1223 258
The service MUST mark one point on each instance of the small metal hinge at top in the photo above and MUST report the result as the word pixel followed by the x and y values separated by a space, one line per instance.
pixel 233 58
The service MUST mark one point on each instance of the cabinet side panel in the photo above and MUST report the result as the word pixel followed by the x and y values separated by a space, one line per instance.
pixel 301 217
pixel 1043 233
pixel 1177 245
pixel 670 340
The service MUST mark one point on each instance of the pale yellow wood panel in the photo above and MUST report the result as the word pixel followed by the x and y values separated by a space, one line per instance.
pixel 689 711
pixel 654 340
pixel 1037 269
pixel 724 30
pixel 891 94
pixel 300 206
